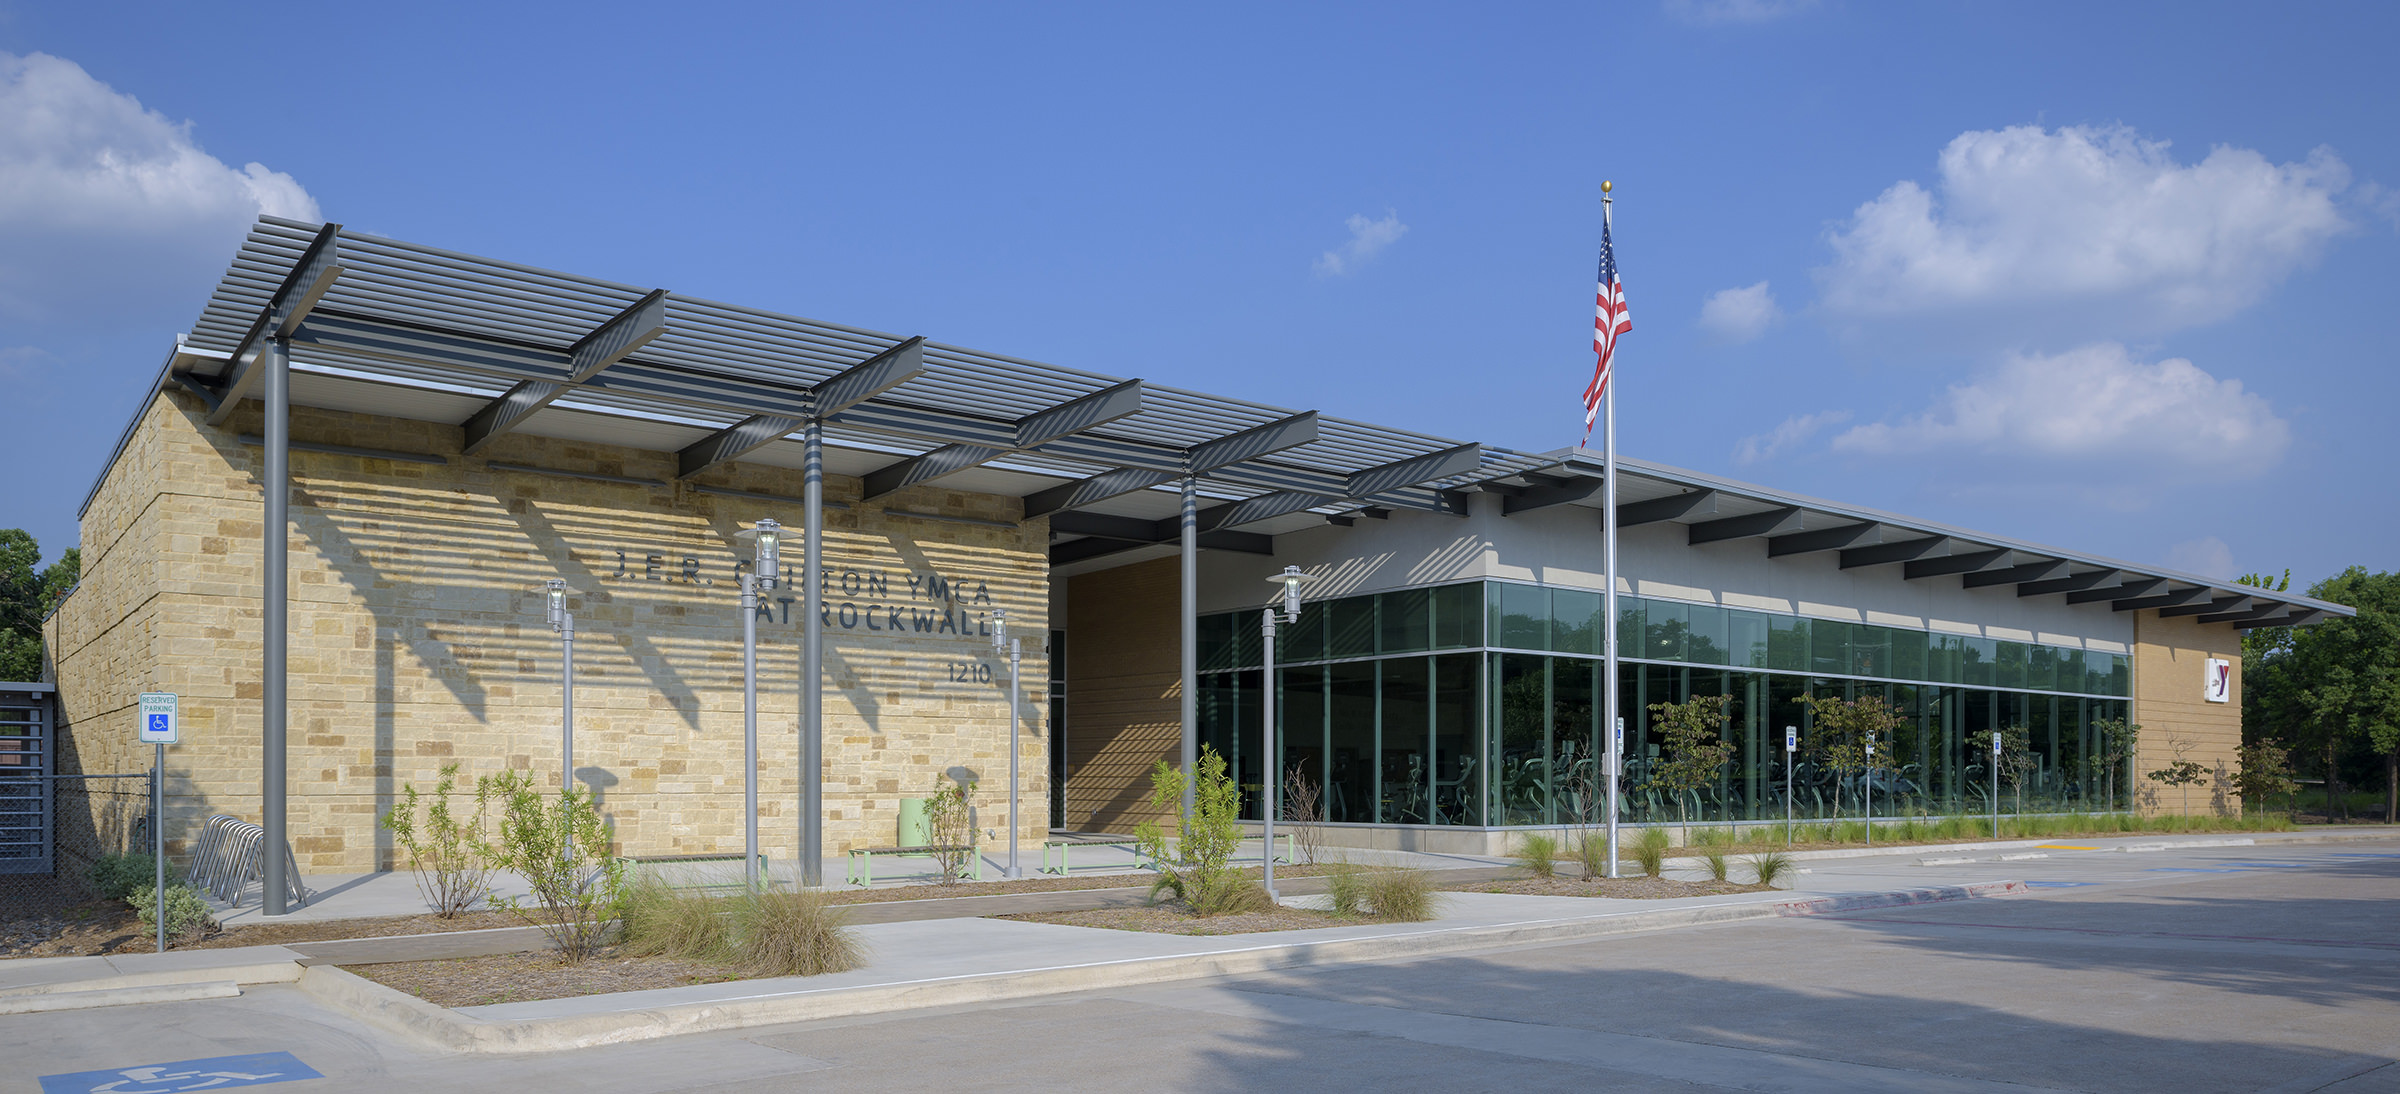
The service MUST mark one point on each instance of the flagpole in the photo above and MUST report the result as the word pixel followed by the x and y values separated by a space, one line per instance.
pixel 1612 723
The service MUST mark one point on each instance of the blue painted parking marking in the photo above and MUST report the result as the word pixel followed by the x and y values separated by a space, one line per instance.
pixel 2058 884
pixel 212 1073
pixel 2189 870
pixel 2268 865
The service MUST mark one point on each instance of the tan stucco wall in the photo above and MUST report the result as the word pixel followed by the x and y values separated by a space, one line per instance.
pixel 2169 677
pixel 418 634
pixel 1124 692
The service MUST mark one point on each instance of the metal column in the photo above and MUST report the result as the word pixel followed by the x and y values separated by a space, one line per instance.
pixel 274 618
pixel 1188 621
pixel 812 661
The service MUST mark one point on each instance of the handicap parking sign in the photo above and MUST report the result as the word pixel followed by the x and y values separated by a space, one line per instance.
pixel 158 718
pixel 212 1073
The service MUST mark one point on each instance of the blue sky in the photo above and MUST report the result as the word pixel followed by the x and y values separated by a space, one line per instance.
pixel 2116 278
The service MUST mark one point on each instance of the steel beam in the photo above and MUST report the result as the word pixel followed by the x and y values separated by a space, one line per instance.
pixel 1674 507
pixel 849 387
pixel 733 442
pixel 2120 591
pixel 2298 616
pixel 2166 599
pixel 1098 488
pixel 1077 550
pixel 1033 430
pixel 629 330
pixel 2215 606
pixel 1741 527
pixel 1546 495
pixel 1823 539
pixel 2014 575
pixel 2240 615
pixel 1372 484
pixel 307 283
pixel 1882 553
pixel 1200 459
pixel 1965 562
pixel 2069 583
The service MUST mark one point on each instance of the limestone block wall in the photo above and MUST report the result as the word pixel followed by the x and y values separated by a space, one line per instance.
pixel 1124 692
pixel 419 636
pixel 2170 658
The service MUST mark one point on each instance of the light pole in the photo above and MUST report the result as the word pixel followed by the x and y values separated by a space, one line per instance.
pixel 563 622
pixel 1001 641
pixel 1870 788
pixel 1996 784
pixel 765 564
pixel 1791 747
pixel 1268 764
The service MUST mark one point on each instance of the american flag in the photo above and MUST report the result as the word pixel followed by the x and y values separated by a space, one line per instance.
pixel 1611 320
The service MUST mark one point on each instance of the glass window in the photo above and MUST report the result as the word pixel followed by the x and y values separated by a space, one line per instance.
pixel 1350 743
pixel 1749 638
pixel 1301 709
pixel 1457 684
pixel 1907 654
pixel 1975 660
pixel 1870 650
pixel 1522 754
pixel 1405 789
pixel 1829 646
pixel 2010 671
pixel 2041 667
pixel 2070 670
pixel 1458 615
pixel 1523 613
pixel 1632 614
pixel 1406 621
pixel 1575 621
pixel 1215 645
pixel 1350 627
pixel 1787 643
pixel 1304 640
pixel 2120 674
pixel 1710 637
pixel 1669 627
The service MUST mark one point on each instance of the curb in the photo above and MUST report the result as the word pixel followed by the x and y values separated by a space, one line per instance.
pixel 256 972
pixel 399 1012
pixel 41 1002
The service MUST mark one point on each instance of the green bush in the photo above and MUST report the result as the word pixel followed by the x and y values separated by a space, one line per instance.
pixel 658 920
pixel 1651 852
pixel 795 933
pixel 561 850
pixel 1766 866
pixel 1402 896
pixel 1715 858
pixel 1538 852
pixel 1198 871
pixel 1346 891
pixel 449 854
pixel 950 824
pixel 188 916
pixel 117 876
pixel 1591 851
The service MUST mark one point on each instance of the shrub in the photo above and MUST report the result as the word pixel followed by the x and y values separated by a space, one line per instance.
pixel 659 920
pixel 561 851
pixel 449 854
pixel 1591 850
pixel 1346 891
pixel 950 824
pixel 1766 866
pixel 1199 873
pixel 1716 863
pixel 1651 851
pixel 117 876
pixel 794 933
pixel 189 918
pixel 1402 896
pixel 1303 814
pixel 1538 852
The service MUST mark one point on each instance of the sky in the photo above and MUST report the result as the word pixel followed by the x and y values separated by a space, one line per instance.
pixel 2116 278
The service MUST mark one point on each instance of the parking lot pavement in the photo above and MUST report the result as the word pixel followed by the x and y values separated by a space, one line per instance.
pixel 2269 967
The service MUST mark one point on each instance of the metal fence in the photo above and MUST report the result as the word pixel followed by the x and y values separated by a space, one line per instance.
pixel 48 865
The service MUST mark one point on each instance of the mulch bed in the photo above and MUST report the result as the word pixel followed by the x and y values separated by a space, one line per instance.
pixel 518 977
pixel 1623 888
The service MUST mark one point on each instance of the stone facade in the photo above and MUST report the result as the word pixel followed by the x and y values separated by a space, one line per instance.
pixel 2170 665
pixel 418 634
pixel 1124 692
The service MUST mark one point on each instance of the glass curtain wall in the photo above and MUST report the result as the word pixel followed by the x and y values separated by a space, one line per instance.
pixel 1479 704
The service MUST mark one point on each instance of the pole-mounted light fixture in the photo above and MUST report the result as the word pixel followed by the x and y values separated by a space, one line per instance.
pixel 558 604
pixel 563 623
pixel 1269 773
pixel 1002 643
pixel 1291 577
pixel 766 563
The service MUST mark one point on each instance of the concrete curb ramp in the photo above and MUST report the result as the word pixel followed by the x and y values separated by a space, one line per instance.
pixel 39 1002
pixel 410 1016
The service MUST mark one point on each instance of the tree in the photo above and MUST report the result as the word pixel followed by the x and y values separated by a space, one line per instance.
pixel 27 596
pixel 2017 760
pixel 2181 772
pixel 1842 729
pixel 2265 772
pixel 2344 674
pixel 1694 749
pixel 2117 738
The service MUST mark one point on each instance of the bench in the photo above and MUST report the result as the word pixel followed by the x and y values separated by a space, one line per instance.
pixel 862 860
pixel 736 883
pixel 1142 862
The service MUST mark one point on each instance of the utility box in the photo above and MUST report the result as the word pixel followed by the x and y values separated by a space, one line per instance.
pixel 913 829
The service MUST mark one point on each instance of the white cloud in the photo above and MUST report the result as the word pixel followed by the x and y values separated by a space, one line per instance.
pixel 1740 315
pixel 1719 12
pixel 1785 437
pixel 2097 406
pixel 2089 231
pixel 2207 556
pixel 1368 238
pixel 104 202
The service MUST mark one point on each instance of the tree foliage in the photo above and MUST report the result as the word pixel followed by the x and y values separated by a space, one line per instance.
pixel 28 592
pixel 1693 750
pixel 2332 690
pixel 1842 727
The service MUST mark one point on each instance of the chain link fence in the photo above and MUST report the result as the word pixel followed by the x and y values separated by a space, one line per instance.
pixel 53 830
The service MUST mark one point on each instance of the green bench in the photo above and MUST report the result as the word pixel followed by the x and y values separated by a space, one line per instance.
pixel 862 860
pixel 736 884
pixel 1141 862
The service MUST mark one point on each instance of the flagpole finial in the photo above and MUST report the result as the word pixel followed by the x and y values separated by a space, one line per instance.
pixel 1606 186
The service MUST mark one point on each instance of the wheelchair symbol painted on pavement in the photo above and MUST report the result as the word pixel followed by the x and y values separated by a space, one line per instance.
pixel 213 1073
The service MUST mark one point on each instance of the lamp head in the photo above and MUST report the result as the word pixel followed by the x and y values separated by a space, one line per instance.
pixel 1290 579
pixel 766 559
pixel 999 628
pixel 558 604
